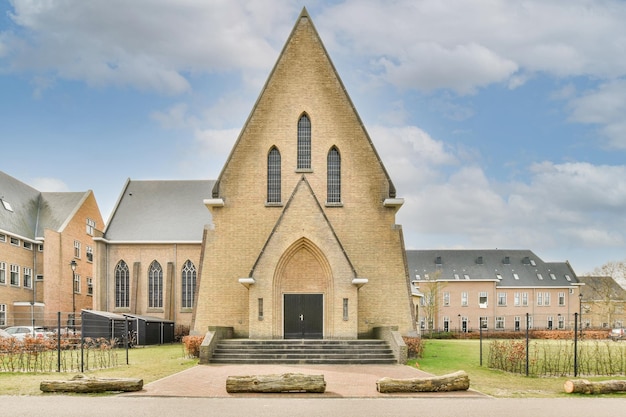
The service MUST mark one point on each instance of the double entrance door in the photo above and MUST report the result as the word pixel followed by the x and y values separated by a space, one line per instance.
pixel 303 316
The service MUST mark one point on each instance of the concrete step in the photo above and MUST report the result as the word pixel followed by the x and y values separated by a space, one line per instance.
pixel 303 351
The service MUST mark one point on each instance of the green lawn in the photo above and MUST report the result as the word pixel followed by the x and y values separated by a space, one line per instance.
pixel 440 357
pixel 445 356
pixel 149 363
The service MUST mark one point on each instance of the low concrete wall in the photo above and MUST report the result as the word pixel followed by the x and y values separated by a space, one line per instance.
pixel 212 337
pixel 391 335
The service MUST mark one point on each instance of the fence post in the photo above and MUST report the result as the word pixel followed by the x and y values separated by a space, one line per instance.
pixel 527 346
pixel 58 341
pixel 575 344
pixel 82 343
pixel 480 326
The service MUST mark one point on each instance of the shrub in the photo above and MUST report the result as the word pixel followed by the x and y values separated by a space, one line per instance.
pixel 415 346
pixel 192 345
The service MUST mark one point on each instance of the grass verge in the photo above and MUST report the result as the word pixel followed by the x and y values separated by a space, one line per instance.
pixel 446 356
pixel 149 363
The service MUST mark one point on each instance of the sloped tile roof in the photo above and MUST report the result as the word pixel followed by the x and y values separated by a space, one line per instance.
pixel 32 211
pixel 509 268
pixel 160 211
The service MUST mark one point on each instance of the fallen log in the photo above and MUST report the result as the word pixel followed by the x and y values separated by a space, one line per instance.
pixel 583 386
pixel 276 383
pixel 457 381
pixel 84 384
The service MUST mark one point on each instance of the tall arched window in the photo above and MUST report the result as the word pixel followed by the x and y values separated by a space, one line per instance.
pixel 304 143
pixel 273 176
pixel 155 285
pixel 189 284
pixel 122 285
pixel 333 183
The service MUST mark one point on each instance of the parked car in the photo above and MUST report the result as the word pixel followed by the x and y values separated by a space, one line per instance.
pixel 4 334
pixel 617 334
pixel 20 332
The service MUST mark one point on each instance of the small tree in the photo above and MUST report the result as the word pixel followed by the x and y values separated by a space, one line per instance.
pixel 432 290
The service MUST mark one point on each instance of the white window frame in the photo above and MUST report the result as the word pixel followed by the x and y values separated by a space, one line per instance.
pixel 3 273
pixel 546 299
pixel 15 271
pixel 502 299
pixel 500 323
pixel 446 298
pixel 76 249
pixel 525 299
pixel 561 299
pixel 89 286
pixel 90 226
pixel 464 299
pixel 28 277
pixel 3 314
pixel 76 284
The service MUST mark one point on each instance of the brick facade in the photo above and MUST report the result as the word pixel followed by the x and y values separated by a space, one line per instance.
pixel 303 245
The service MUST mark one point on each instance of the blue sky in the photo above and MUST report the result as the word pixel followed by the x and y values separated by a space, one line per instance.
pixel 501 123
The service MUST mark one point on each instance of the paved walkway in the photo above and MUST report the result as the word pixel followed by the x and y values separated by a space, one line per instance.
pixel 342 381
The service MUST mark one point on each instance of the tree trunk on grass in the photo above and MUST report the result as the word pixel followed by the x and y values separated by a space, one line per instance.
pixel 583 386
pixel 276 383
pixel 82 383
pixel 457 381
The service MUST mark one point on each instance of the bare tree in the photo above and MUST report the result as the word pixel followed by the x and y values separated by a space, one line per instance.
pixel 432 290
pixel 613 269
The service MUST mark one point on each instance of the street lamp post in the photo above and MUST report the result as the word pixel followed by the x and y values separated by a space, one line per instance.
pixel 580 312
pixel 73 265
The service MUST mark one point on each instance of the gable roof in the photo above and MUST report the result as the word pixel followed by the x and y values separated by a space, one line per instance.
pixel 157 211
pixel 601 289
pixel 32 211
pixel 300 25
pixel 508 268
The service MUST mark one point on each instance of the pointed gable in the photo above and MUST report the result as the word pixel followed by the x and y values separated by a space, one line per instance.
pixel 303 82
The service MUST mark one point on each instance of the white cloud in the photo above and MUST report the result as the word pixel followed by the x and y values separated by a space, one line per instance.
pixel 146 44
pixel 604 106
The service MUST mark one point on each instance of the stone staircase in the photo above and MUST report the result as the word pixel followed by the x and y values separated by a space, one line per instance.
pixel 303 351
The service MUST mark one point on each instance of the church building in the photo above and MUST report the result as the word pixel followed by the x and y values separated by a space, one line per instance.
pixel 297 236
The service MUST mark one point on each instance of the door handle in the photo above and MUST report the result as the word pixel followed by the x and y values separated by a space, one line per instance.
pixel 301 317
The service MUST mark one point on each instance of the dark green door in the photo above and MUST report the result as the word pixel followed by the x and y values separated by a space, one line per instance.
pixel 303 316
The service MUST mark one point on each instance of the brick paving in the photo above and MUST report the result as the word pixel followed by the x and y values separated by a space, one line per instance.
pixel 342 381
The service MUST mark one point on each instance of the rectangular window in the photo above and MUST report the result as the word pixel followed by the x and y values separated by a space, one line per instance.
pixel 40 248
pixel 482 299
pixel 499 322
pixel 3 237
pixel 15 241
pixel 39 278
pixel 91 225
pixel 446 298
pixel 530 322
pixel 501 298
pixel 76 283
pixel 516 322
pixel 516 299
pixel 89 253
pixel 15 275
pixel 561 322
pixel 484 323
pixel 539 298
pixel 28 278
pixel 546 299
pixel 525 299
pixel 3 314
pixel 76 249
pixel 260 307
pixel 3 273
pixel 464 299
pixel 550 323
pixel 89 286
pixel 561 299
pixel 27 245
pixel 345 309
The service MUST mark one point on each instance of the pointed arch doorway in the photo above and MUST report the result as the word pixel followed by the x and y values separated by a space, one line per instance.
pixel 303 284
